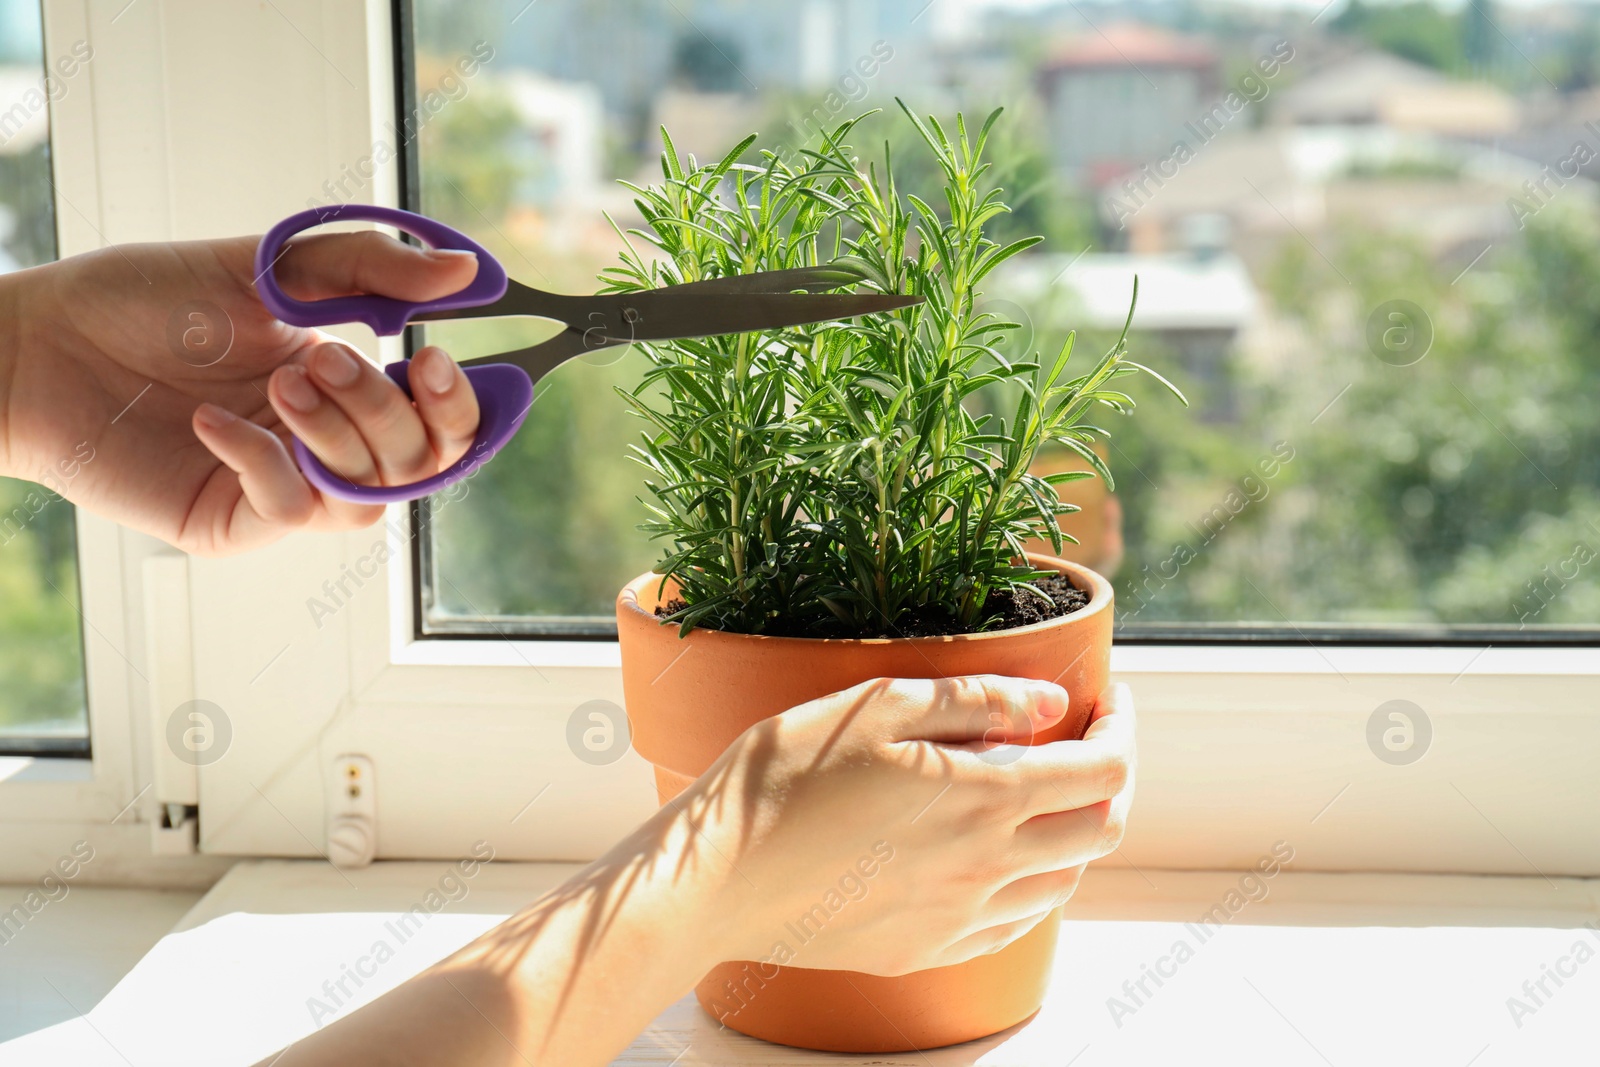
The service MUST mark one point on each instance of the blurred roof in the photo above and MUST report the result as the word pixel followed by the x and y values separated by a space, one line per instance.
pixel 1350 88
pixel 1124 44
pixel 1281 166
pixel 1379 88
pixel 1298 181
pixel 1177 291
pixel 1552 128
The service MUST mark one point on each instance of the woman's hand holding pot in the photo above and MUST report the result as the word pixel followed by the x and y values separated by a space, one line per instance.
pixel 907 824
pixel 893 827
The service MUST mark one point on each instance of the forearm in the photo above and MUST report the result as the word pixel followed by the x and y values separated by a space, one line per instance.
pixel 570 980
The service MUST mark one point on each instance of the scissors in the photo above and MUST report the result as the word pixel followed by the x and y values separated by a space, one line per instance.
pixel 504 382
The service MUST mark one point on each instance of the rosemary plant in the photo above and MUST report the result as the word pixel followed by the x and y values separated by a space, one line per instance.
pixel 831 481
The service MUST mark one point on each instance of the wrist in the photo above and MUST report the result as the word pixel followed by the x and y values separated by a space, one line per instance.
pixel 10 356
pixel 752 879
pixel 692 868
pixel 22 296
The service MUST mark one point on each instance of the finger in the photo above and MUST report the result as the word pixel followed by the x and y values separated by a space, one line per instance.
pixel 1061 839
pixel 319 266
pixel 383 415
pixel 272 484
pixel 1062 775
pixel 1115 703
pixel 322 425
pixel 983 710
pixel 446 402
pixel 986 942
pixel 1034 895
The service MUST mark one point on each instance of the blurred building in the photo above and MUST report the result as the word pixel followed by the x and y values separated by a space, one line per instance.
pixel 1553 129
pixel 1194 302
pixel 24 113
pixel 1378 89
pixel 27 220
pixel 558 153
pixel 8 227
pixel 1121 97
pixel 1302 183
pixel 705 125
pixel 632 49
pixel 558 150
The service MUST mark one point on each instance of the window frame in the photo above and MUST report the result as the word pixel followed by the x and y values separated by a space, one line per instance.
pixel 37 746
pixel 1241 744
pixel 50 801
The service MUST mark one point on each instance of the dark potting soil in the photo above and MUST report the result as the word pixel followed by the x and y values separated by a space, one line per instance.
pixel 1004 609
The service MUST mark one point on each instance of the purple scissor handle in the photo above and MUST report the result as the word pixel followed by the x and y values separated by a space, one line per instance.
pixel 505 392
pixel 386 315
pixel 742 303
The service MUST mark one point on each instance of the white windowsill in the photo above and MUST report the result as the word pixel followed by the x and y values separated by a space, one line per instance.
pixel 508 652
pixel 19 769
pixel 74 949
pixel 1324 969
pixel 1449 662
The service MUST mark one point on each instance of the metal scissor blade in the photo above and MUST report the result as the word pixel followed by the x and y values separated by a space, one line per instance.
pixel 663 315
pixel 524 301
pixel 544 357
pixel 519 301
pixel 811 279
pixel 770 311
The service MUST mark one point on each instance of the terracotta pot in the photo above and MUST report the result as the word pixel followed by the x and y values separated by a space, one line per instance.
pixel 689 698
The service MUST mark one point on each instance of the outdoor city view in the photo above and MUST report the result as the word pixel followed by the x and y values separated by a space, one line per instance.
pixel 1365 238
pixel 41 651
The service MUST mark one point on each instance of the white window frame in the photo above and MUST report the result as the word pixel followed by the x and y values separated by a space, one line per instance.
pixel 183 132
pixel 49 804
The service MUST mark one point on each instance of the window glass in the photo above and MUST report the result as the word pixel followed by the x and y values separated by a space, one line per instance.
pixel 1366 242
pixel 42 702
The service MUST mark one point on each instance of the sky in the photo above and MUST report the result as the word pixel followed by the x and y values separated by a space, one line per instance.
pixel 955 18
pixel 958 19
pixel 1308 5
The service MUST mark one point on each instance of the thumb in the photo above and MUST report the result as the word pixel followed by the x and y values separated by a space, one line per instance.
pixel 344 264
pixel 986 708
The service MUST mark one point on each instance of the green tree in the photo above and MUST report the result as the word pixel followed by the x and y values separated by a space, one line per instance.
pixel 548 527
pixel 41 651
pixel 1480 40
pixel 1432 490
pixel 471 149
pixel 1418 31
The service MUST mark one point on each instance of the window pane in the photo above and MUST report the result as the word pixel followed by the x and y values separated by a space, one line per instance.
pixel 41 646
pixel 1367 248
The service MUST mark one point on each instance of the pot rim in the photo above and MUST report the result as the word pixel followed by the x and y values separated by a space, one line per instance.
pixel 1096 584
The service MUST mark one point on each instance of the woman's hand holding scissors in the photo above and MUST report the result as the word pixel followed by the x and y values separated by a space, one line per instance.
pixel 150 384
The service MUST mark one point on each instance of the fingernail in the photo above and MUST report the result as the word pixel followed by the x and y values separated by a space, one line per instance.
pixel 1052 703
pixel 335 366
pixel 214 418
pixel 450 255
pixel 438 371
pixel 297 391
